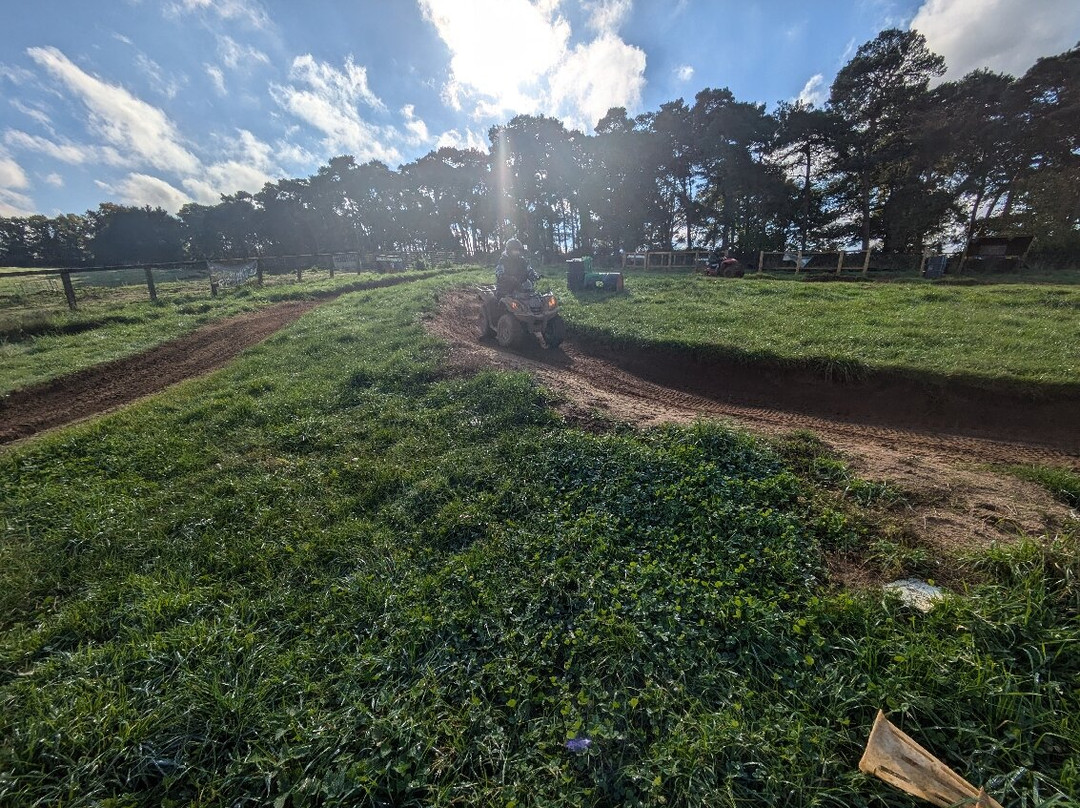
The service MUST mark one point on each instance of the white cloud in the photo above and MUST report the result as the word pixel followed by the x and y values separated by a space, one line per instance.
pixel 35 113
pixel 603 74
pixel 16 75
pixel 1007 36
pixel 65 151
pixel 328 101
pixel 132 134
pixel 814 91
pixel 289 153
pixel 168 86
pixel 217 78
pixel 13 204
pixel 246 11
pixel 684 72
pixel 124 122
pixel 236 56
pixel 606 16
pixel 11 174
pixel 55 180
pixel 143 189
pixel 250 164
pixel 417 129
pixel 349 86
pixel 456 140
pixel 515 56
pixel 499 49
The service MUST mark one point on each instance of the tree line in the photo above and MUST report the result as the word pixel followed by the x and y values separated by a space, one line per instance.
pixel 888 162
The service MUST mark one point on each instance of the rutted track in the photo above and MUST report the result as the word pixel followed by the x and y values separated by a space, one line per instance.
pixel 933 441
pixel 648 387
pixel 109 385
pixel 104 387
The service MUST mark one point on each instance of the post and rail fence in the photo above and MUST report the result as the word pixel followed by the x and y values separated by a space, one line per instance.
pixel 228 273
pixel 820 263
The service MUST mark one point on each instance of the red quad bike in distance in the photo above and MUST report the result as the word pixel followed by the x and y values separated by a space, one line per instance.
pixel 512 316
pixel 724 268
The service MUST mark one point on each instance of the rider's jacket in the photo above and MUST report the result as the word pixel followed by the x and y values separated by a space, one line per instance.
pixel 511 272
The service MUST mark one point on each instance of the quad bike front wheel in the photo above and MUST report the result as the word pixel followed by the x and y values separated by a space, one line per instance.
pixel 554 332
pixel 507 331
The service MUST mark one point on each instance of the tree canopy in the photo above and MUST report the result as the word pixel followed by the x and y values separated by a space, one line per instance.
pixel 890 161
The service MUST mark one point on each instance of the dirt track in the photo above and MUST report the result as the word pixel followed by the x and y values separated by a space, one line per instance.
pixel 103 387
pixel 929 441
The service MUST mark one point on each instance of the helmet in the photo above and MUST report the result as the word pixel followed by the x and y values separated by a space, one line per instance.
pixel 514 246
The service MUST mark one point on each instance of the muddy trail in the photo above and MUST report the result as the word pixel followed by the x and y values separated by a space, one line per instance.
pixel 932 442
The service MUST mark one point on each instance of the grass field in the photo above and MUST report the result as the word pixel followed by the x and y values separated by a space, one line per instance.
pixel 41 339
pixel 332 575
pixel 1015 334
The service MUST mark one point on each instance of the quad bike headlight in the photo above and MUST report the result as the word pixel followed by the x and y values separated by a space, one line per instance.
pixel 552 302
pixel 514 305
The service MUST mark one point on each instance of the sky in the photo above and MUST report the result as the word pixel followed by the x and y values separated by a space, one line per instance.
pixel 165 102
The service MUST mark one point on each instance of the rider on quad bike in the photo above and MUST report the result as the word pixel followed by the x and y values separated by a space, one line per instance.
pixel 513 269
pixel 513 307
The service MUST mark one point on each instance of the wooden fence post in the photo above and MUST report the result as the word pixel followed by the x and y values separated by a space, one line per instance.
pixel 760 261
pixel 150 284
pixel 866 262
pixel 69 290
pixel 840 262
pixel 299 271
pixel 798 262
pixel 258 272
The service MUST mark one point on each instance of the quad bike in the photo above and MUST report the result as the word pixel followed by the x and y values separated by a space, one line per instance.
pixel 724 268
pixel 509 317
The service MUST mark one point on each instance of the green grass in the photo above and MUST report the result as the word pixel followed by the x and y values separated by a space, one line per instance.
pixel 331 574
pixel 1062 483
pixel 1018 335
pixel 41 340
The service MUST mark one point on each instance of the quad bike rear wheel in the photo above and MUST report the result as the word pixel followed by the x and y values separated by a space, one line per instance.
pixel 507 330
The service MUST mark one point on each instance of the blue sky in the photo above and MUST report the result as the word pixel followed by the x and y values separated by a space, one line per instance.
pixel 163 102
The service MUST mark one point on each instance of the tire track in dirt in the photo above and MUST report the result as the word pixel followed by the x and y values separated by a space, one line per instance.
pixel 928 450
pixel 109 385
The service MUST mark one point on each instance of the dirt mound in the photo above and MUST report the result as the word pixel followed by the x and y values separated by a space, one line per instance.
pixel 931 442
